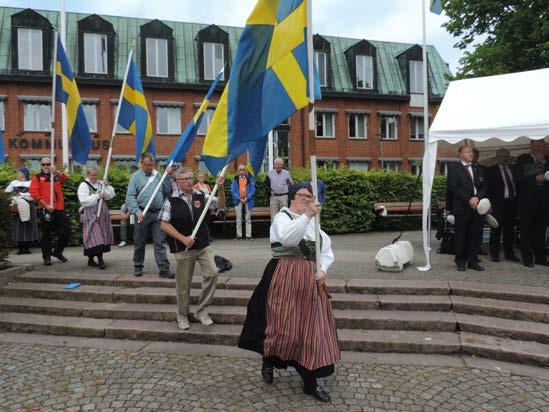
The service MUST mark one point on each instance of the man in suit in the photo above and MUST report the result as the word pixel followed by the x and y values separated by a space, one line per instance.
pixel 502 193
pixel 533 201
pixel 467 186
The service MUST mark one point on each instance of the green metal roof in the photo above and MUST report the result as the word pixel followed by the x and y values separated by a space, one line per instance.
pixel 390 78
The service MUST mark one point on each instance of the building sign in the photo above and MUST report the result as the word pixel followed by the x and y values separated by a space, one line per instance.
pixel 40 143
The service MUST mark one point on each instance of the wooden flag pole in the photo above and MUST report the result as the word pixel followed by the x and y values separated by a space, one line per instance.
pixel 113 134
pixel 52 131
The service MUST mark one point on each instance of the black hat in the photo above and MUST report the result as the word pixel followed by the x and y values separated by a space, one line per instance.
pixel 296 187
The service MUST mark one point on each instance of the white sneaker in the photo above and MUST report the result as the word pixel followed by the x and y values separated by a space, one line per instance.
pixel 204 318
pixel 183 322
pixel 122 244
pixel 451 219
pixel 491 220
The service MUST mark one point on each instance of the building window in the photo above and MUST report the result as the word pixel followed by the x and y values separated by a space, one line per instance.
pixel 416 167
pixel 2 116
pixel 360 165
pixel 202 166
pixel 90 110
pixel 95 53
pixel 364 72
pixel 321 64
pixel 206 120
pixel 168 120
pixel 445 166
pixel 390 165
pixel 213 60
pixel 119 128
pixel 29 49
pixel 328 164
pixel 416 76
pixel 416 128
pixel 325 124
pixel 157 57
pixel 388 129
pixel 358 126
pixel 37 117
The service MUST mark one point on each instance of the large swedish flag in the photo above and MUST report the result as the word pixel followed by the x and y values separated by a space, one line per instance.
pixel 66 92
pixel 268 81
pixel 134 114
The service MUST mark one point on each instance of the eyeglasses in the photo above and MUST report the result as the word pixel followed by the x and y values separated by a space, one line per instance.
pixel 304 196
pixel 241 170
pixel 45 164
pixel 184 178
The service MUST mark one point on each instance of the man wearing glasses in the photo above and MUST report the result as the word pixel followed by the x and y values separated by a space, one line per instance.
pixel 51 211
pixel 178 217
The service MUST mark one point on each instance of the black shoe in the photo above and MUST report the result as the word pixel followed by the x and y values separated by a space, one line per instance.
pixel 475 266
pixel 92 262
pixel 512 258
pixel 60 257
pixel 138 272
pixel 101 264
pixel 494 259
pixel 461 267
pixel 27 251
pixel 529 264
pixel 20 252
pixel 166 273
pixel 267 373
pixel 47 261
pixel 317 391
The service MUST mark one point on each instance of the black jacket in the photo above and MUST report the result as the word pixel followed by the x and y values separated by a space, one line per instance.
pixel 531 193
pixel 461 190
pixel 496 186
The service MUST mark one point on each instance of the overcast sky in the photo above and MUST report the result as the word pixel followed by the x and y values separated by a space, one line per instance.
pixel 389 20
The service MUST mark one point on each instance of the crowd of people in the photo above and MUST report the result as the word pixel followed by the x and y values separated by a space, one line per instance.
pixel 498 195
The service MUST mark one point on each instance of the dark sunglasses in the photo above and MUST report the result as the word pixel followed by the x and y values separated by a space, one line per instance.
pixel 46 164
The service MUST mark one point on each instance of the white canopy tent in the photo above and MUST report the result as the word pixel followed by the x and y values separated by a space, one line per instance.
pixel 491 112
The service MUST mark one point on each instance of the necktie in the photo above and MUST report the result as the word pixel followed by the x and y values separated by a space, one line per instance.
pixel 470 170
pixel 507 177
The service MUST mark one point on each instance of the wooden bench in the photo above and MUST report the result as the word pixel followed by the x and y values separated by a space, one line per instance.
pixel 398 209
pixel 116 217
pixel 259 214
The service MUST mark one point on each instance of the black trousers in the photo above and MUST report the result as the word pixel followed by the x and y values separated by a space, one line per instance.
pixel 533 224
pixel 58 223
pixel 468 232
pixel 505 216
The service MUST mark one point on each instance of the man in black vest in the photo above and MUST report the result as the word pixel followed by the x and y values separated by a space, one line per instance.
pixel 467 186
pixel 178 217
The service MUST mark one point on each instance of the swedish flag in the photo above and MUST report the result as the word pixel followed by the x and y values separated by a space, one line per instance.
pixel 268 81
pixel 436 6
pixel 134 114
pixel 66 92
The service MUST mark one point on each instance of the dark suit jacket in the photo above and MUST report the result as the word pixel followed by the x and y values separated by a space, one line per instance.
pixel 461 189
pixel 531 193
pixel 496 186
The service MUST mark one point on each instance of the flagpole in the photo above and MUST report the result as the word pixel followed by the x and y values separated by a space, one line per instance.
pixel 157 188
pixel 64 122
pixel 52 130
pixel 113 134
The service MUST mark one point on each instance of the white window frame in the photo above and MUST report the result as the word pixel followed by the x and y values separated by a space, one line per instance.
pixel 155 67
pixel 2 115
pixel 365 126
pixel 360 165
pixel 385 134
pixel 91 115
pixel 415 122
pixel 416 167
pixel 445 166
pixel 324 116
pixel 416 76
pixel 367 75
pixel 211 69
pixel 323 79
pixel 391 165
pixel 173 124
pixel 34 122
pixel 31 48
pixel 95 58
pixel 206 121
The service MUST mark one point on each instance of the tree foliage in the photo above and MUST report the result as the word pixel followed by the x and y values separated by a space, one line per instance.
pixel 515 33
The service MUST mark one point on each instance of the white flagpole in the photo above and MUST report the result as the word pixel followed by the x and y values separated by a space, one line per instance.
pixel 157 188
pixel 270 150
pixel 109 155
pixel 64 122
pixel 52 131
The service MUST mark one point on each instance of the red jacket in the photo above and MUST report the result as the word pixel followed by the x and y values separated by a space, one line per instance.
pixel 40 189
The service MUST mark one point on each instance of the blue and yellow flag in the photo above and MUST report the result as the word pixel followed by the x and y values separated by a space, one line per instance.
pixel 268 81
pixel 66 92
pixel 134 114
pixel 2 152
pixel 436 6
pixel 187 137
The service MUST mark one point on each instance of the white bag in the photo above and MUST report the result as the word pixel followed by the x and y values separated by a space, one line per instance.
pixel 395 257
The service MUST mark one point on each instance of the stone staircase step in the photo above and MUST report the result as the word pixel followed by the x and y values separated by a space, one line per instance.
pixel 395 320
pixel 501 292
pixel 53 325
pixel 397 287
pixel 535 312
pixel 504 328
pixel 415 302
pixel 98 279
pixel 510 350
pixel 56 291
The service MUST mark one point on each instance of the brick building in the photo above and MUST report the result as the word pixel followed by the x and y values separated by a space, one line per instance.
pixel 370 115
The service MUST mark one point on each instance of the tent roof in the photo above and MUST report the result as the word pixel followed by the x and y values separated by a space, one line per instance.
pixel 505 107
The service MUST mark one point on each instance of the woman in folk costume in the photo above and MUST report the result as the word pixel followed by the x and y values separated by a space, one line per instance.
pixel 25 231
pixel 289 319
pixel 96 231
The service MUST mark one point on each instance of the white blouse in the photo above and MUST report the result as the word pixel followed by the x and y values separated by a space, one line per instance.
pixel 290 232
pixel 18 183
pixel 90 200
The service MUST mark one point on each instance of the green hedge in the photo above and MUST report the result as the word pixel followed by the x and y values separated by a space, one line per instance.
pixel 349 207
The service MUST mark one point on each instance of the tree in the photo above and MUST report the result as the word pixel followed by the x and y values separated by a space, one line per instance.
pixel 515 35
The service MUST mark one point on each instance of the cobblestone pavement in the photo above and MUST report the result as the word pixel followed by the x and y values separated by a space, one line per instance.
pixel 38 377
pixel 354 258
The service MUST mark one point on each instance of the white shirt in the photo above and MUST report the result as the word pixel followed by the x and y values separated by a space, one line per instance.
pixel 290 232
pixel 18 183
pixel 90 200
pixel 469 168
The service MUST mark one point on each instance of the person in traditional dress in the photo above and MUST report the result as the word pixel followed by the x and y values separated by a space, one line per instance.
pixel 25 230
pixel 289 319
pixel 96 231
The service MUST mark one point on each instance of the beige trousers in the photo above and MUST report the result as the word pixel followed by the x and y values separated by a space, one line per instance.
pixel 184 276
pixel 276 203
